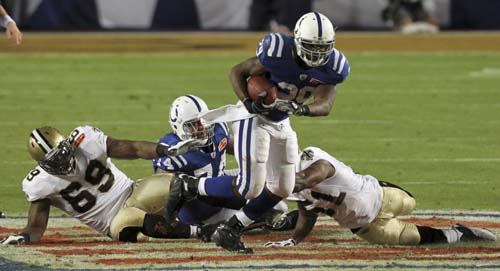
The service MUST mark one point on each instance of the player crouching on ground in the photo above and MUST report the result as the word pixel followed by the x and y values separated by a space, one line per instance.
pixel 76 175
pixel 362 203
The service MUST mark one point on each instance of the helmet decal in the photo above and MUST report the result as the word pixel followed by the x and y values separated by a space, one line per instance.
pixel 41 141
pixel 172 118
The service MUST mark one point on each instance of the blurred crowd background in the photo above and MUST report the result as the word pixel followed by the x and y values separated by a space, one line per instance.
pixel 260 15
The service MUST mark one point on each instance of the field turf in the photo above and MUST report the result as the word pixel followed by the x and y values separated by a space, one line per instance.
pixel 427 121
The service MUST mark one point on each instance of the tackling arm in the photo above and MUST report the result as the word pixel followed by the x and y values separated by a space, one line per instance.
pixel 313 175
pixel 128 149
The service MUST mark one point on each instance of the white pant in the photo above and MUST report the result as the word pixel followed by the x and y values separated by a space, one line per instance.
pixel 266 152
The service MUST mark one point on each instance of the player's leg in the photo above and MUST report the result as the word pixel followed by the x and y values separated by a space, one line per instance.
pixel 283 153
pixel 252 152
pixel 388 229
pixel 280 166
pixel 141 213
pixel 396 201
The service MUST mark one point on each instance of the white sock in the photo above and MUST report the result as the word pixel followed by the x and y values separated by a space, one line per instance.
pixel 194 231
pixel 452 235
pixel 201 187
pixel 245 220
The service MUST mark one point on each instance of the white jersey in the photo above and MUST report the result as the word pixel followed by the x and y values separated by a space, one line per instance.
pixel 94 201
pixel 354 199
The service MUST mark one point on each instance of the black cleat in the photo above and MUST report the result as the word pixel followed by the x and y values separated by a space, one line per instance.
pixel 182 188
pixel 205 232
pixel 228 234
pixel 286 221
pixel 474 234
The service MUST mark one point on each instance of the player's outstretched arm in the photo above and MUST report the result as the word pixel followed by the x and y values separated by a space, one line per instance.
pixel 38 218
pixel 130 149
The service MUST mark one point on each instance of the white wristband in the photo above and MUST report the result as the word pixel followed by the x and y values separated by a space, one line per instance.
pixel 6 20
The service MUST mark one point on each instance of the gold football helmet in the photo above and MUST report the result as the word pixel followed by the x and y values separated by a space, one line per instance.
pixel 51 150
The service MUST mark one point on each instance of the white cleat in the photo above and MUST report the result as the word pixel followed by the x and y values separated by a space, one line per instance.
pixel 474 234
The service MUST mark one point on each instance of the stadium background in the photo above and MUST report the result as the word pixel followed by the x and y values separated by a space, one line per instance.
pixel 418 110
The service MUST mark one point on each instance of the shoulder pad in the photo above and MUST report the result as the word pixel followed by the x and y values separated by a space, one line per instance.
pixel 271 46
pixel 340 64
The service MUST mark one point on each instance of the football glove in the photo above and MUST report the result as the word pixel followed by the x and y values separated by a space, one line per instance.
pixel 17 239
pixel 291 107
pixel 178 149
pixel 285 243
pixel 258 106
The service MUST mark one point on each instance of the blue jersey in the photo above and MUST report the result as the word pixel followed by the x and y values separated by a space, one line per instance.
pixel 295 82
pixel 207 162
pixel 210 161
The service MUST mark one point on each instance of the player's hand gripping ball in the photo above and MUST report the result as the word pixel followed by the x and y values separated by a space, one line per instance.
pixel 258 84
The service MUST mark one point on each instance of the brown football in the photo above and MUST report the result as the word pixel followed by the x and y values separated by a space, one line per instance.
pixel 259 83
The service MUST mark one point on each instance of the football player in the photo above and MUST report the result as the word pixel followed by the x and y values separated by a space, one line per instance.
pixel 207 162
pixel 305 66
pixel 10 26
pixel 367 206
pixel 76 175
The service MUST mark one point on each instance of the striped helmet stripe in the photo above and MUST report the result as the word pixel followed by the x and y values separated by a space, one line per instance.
pixel 42 142
pixel 195 102
pixel 320 26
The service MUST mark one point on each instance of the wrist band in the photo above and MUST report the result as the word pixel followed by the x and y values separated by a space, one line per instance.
pixel 6 20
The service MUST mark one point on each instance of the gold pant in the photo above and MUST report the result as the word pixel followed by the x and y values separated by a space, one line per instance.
pixel 387 229
pixel 149 196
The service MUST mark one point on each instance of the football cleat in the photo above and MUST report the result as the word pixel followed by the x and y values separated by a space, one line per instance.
pixel 474 234
pixel 286 221
pixel 228 236
pixel 205 232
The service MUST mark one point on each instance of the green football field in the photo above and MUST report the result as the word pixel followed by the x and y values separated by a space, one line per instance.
pixel 429 122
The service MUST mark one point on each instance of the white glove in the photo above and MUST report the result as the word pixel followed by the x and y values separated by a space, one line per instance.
pixel 13 240
pixel 184 146
pixel 285 243
pixel 180 148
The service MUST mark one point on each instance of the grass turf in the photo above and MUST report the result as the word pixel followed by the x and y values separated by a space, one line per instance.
pixel 428 122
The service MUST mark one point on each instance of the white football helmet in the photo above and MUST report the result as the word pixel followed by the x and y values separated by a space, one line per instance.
pixel 185 122
pixel 314 38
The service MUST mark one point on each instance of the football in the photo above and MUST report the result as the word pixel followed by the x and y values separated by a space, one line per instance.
pixel 259 83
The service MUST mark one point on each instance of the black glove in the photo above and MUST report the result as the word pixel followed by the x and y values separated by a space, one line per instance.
pixel 258 106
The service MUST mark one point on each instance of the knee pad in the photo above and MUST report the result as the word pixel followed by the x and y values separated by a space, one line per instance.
pixel 130 217
pixel 292 149
pixel 284 187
